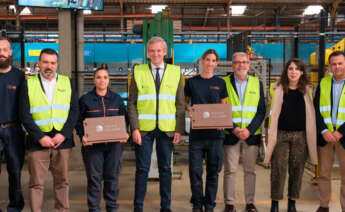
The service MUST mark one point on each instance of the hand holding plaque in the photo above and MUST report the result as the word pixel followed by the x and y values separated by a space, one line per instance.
pixel 105 129
pixel 211 116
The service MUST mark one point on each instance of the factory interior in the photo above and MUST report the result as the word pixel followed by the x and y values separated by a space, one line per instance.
pixel 115 34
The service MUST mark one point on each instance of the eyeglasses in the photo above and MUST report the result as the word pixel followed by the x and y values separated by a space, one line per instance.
pixel 240 62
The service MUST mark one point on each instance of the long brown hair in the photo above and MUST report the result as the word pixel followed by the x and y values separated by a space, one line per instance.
pixel 303 80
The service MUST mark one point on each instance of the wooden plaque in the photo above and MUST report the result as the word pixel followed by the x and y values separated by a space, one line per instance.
pixel 105 129
pixel 211 116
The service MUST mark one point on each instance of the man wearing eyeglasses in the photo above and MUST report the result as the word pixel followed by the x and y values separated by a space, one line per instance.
pixel 246 94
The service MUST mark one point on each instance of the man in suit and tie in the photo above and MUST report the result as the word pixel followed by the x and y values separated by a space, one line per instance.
pixel 156 112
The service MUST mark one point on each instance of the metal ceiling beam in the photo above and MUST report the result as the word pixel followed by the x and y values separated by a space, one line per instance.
pixel 238 28
pixel 121 16
pixel 207 12
pixel 87 17
pixel 228 24
pixel 333 12
pixel 281 1
pixel 222 1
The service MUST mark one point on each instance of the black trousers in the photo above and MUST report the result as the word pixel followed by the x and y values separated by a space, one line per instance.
pixel 102 163
pixel 12 144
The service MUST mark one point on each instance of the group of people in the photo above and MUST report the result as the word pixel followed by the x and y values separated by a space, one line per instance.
pixel 46 105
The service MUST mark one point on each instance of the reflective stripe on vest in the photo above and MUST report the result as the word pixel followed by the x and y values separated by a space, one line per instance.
pixel 147 97
pixel 48 116
pixel 325 104
pixel 242 115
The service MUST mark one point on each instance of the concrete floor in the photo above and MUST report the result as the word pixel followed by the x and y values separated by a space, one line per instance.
pixel 180 189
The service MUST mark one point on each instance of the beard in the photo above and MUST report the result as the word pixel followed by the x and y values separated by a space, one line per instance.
pixel 5 62
pixel 48 73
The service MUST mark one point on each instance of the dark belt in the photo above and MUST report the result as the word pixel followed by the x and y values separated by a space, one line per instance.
pixel 7 125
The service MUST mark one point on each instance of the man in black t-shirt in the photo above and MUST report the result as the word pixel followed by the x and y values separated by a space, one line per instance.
pixel 11 134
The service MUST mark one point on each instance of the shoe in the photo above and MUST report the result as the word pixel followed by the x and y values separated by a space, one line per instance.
pixel 274 206
pixel 208 209
pixel 165 210
pixel 251 208
pixel 322 209
pixel 197 210
pixel 230 208
pixel 291 205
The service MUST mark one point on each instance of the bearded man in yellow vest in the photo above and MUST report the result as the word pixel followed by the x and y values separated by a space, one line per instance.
pixel 156 112
pixel 49 112
pixel 246 94
pixel 329 105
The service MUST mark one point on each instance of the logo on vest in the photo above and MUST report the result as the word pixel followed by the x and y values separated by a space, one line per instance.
pixel 61 90
pixel 252 92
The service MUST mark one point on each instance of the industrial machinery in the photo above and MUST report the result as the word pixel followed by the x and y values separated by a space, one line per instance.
pixel 314 60
pixel 159 26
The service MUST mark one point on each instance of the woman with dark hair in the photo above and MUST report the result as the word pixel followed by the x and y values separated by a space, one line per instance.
pixel 102 160
pixel 205 88
pixel 292 132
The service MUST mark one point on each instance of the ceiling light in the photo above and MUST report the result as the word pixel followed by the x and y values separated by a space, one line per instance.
pixel 158 8
pixel 25 11
pixel 87 12
pixel 312 10
pixel 12 8
pixel 238 9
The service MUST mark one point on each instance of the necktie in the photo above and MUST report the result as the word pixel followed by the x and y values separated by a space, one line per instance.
pixel 157 80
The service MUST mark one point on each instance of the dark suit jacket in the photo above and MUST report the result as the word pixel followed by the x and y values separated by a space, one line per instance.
pixel 133 113
pixel 231 139
pixel 320 124
pixel 35 134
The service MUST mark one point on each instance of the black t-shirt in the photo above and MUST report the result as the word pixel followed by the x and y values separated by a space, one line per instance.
pixel 205 91
pixel 292 115
pixel 10 83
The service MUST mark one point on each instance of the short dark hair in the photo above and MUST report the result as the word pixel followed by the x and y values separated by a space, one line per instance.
pixel 100 69
pixel 334 54
pixel 5 38
pixel 48 51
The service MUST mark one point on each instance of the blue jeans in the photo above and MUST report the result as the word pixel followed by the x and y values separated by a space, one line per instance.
pixel 164 147
pixel 12 143
pixel 102 162
pixel 212 148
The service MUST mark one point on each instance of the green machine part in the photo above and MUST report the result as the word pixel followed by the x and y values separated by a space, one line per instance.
pixel 160 26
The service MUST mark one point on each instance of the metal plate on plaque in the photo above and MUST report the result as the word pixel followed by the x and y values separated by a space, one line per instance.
pixel 211 116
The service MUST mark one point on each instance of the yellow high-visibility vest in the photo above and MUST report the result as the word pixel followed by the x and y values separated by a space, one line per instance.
pixel 147 97
pixel 243 115
pixel 326 106
pixel 48 116
pixel 272 96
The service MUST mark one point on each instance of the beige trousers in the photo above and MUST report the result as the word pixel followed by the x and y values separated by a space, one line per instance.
pixel 39 162
pixel 231 160
pixel 326 158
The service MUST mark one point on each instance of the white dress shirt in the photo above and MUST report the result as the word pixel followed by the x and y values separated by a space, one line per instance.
pixel 49 88
pixel 154 70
